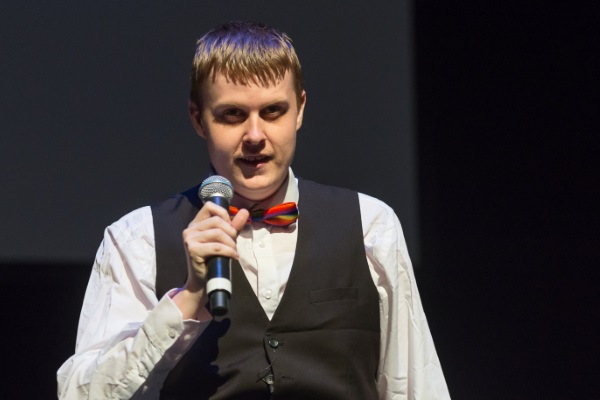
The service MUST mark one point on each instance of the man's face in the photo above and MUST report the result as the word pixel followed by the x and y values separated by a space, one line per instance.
pixel 250 131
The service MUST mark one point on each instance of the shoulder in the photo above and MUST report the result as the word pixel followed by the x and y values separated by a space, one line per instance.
pixel 385 244
pixel 135 218
pixel 127 249
pixel 136 224
pixel 377 215
pixel 374 212
pixel 374 208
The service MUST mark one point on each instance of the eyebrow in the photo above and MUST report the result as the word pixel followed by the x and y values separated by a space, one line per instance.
pixel 227 104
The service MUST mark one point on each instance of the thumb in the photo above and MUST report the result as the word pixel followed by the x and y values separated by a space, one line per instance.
pixel 240 219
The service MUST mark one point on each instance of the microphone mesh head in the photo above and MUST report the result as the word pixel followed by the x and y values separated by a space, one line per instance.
pixel 215 186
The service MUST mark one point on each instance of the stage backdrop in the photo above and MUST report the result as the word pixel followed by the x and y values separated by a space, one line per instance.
pixel 94 110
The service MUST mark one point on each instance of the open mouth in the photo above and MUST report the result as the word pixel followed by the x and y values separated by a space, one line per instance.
pixel 254 161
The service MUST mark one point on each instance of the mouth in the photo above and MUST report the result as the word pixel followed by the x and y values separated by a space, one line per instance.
pixel 254 161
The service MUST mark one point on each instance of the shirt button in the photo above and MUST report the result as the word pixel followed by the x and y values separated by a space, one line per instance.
pixel 273 343
pixel 261 244
pixel 268 293
pixel 172 333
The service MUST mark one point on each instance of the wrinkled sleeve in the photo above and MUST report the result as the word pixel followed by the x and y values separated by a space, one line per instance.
pixel 409 368
pixel 127 340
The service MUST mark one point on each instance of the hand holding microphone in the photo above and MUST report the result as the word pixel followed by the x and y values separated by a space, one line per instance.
pixel 210 242
pixel 219 191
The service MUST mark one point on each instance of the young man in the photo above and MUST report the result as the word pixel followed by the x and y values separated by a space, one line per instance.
pixel 323 308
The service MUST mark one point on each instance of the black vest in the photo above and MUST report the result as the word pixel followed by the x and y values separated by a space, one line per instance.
pixel 323 340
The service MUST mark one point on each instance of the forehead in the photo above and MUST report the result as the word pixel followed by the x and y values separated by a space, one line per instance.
pixel 222 90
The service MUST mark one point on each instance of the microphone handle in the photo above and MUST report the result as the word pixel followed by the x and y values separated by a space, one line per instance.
pixel 218 283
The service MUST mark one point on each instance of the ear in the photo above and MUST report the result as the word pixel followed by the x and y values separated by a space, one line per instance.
pixel 301 110
pixel 196 117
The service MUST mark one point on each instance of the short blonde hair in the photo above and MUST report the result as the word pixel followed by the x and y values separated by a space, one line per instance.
pixel 244 52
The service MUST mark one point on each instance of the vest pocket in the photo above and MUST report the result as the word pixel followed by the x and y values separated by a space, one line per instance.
pixel 334 294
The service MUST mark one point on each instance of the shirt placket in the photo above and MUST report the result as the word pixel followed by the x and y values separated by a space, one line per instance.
pixel 267 282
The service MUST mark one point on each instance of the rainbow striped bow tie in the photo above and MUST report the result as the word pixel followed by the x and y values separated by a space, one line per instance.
pixel 281 215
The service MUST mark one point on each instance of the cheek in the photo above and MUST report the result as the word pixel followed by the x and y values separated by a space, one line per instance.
pixel 290 142
pixel 219 144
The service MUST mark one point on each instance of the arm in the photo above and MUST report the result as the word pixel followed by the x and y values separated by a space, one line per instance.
pixel 127 340
pixel 409 367
pixel 126 337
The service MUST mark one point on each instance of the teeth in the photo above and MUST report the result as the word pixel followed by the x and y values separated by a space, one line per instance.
pixel 254 158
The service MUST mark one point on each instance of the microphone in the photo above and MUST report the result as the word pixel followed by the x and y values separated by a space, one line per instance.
pixel 218 190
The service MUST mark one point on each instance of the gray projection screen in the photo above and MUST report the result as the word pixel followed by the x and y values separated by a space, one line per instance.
pixel 94 111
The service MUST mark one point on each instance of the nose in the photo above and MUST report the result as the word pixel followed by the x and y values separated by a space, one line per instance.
pixel 254 133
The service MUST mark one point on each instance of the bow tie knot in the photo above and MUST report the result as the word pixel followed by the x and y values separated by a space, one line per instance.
pixel 281 215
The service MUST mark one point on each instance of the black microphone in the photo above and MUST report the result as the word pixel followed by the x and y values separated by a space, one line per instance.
pixel 218 190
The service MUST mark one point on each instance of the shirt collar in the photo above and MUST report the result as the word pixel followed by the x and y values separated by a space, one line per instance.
pixel 291 191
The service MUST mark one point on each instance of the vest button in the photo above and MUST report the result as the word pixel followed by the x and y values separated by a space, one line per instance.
pixel 273 343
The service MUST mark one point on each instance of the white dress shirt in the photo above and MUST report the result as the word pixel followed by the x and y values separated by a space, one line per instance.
pixel 128 340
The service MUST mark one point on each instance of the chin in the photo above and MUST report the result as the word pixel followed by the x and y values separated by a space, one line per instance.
pixel 257 189
pixel 256 193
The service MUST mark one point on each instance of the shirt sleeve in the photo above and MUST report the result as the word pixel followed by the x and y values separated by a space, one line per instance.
pixel 127 340
pixel 409 368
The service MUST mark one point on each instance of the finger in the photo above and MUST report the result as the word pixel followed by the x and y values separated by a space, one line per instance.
pixel 211 235
pixel 240 220
pixel 200 252
pixel 213 216
pixel 214 222
pixel 210 210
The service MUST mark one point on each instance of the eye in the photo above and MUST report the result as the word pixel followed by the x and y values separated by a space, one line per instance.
pixel 273 111
pixel 232 115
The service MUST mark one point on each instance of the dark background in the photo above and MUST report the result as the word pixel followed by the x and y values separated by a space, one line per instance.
pixel 508 101
pixel 95 117
pixel 476 122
